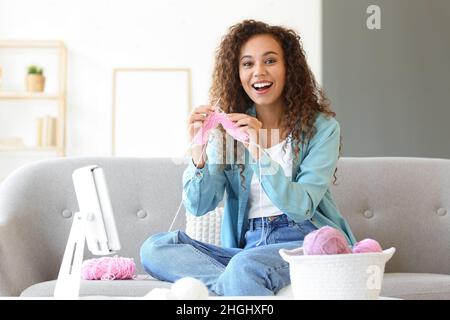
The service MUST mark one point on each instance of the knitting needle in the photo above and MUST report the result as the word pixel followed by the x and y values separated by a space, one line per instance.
pixel 216 107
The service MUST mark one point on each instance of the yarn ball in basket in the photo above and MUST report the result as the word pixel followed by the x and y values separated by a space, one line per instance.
pixel 108 268
pixel 367 245
pixel 326 240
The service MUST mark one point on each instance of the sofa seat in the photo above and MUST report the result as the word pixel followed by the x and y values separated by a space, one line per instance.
pixel 410 286
pixel 416 286
pixel 138 287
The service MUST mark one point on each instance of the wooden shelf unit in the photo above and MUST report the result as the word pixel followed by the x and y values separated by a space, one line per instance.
pixel 60 97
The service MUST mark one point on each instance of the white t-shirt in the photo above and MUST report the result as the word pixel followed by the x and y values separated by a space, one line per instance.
pixel 266 208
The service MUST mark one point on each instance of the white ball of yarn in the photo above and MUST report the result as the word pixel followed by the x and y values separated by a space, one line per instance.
pixel 188 288
pixel 160 294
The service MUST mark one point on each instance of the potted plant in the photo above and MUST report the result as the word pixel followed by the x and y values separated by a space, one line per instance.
pixel 35 79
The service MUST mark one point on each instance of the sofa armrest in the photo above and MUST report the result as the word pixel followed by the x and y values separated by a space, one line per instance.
pixel 23 255
pixel 20 264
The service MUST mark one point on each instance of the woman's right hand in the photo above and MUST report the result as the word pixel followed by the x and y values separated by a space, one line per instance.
pixel 194 122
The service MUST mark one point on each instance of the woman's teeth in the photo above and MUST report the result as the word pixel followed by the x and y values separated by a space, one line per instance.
pixel 262 85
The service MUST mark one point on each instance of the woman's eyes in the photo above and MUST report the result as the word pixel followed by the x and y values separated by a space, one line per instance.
pixel 248 64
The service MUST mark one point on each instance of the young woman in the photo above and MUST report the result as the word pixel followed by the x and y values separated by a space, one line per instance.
pixel 279 192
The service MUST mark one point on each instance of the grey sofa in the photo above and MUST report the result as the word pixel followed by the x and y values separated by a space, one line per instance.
pixel 402 202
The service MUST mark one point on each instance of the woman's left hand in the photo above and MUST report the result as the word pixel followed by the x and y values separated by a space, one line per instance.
pixel 251 126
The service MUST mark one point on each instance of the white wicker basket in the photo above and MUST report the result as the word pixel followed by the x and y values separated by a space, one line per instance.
pixel 354 276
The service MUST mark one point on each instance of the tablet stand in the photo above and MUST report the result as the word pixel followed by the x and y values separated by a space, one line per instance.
pixel 69 277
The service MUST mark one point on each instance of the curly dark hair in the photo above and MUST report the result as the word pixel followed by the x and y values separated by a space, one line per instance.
pixel 303 98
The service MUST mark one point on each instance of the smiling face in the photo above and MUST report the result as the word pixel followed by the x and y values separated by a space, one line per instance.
pixel 261 69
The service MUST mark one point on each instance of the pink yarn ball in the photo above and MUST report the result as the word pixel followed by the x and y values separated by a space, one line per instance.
pixel 326 240
pixel 367 245
pixel 108 268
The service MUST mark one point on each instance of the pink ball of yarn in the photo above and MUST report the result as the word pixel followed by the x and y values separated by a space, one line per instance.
pixel 367 245
pixel 108 268
pixel 326 240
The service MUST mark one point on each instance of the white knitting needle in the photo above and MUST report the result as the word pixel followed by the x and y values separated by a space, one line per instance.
pixel 217 107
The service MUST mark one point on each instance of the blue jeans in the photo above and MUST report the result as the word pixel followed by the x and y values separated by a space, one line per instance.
pixel 255 270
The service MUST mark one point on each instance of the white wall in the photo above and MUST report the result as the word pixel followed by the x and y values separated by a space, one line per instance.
pixel 105 34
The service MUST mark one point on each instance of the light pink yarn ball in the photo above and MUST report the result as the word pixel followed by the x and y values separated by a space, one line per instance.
pixel 108 268
pixel 367 245
pixel 326 240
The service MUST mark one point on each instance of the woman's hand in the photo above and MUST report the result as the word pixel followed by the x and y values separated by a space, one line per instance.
pixel 194 123
pixel 251 126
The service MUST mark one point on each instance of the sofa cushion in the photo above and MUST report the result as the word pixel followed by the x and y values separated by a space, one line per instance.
pixel 416 286
pixel 409 286
pixel 138 287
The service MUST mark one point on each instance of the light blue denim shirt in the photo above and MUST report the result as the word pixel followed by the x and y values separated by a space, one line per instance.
pixel 304 196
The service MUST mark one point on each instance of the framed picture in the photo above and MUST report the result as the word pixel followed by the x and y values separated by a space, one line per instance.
pixel 150 107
